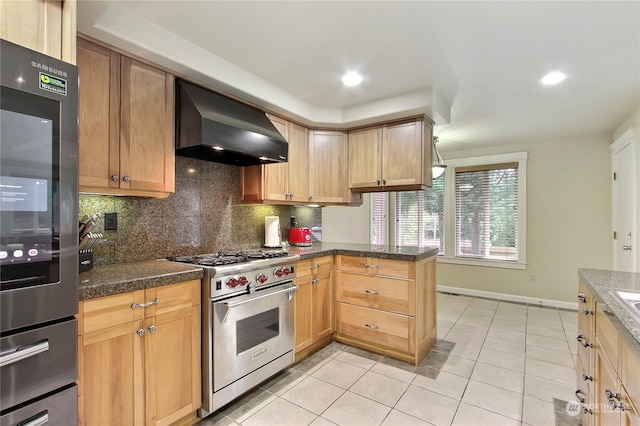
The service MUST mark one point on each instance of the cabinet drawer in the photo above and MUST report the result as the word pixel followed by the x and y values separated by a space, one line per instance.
pixel 374 326
pixel 110 311
pixel 172 297
pixel 375 266
pixel 586 309
pixel 377 292
pixel 317 266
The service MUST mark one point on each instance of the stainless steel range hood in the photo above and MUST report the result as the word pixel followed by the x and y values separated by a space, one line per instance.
pixel 212 127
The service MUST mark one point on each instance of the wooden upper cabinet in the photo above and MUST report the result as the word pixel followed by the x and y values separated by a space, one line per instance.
pixel 328 167
pixel 391 157
pixel 46 26
pixel 289 181
pixel 126 125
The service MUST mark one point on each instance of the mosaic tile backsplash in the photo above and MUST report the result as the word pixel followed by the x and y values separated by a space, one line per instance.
pixel 204 215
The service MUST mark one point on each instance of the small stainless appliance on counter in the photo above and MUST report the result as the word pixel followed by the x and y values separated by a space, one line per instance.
pixel 247 320
pixel 39 238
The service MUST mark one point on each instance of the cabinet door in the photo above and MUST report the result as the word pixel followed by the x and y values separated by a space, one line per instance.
pixel 147 158
pixel 276 175
pixel 328 167
pixel 35 24
pixel 172 352
pixel 99 116
pixel 322 306
pixel 406 154
pixel 303 318
pixel 298 178
pixel 365 158
pixel 604 379
pixel 111 376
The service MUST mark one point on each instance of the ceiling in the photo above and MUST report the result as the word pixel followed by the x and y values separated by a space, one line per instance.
pixel 472 66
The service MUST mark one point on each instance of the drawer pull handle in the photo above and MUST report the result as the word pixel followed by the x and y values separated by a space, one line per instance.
pixel 23 352
pixel 366 265
pixel 371 326
pixel 587 311
pixel 610 395
pixel 314 266
pixel 587 378
pixel 584 341
pixel 316 281
pixel 374 292
pixel 580 395
pixel 582 298
pixel 587 410
pixel 42 419
pixel 144 305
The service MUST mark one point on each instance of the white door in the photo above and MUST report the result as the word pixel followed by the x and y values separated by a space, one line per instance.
pixel 624 207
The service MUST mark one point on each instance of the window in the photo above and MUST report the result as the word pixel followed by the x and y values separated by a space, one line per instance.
pixel 419 216
pixel 379 221
pixel 486 200
pixel 475 213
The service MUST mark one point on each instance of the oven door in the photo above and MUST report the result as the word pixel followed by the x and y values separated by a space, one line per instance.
pixel 250 331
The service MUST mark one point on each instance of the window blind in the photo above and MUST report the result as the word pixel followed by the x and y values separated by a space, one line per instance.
pixel 486 201
pixel 379 222
pixel 420 216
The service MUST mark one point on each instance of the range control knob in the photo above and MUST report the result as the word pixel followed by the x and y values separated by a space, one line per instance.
pixel 262 278
pixel 286 270
pixel 279 272
pixel 232 282
pixel 243 280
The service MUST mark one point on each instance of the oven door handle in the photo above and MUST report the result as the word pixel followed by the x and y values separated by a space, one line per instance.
pixel 227 306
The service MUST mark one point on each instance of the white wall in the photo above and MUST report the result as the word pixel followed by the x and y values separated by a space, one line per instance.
pixel 347 224
pixel 568 213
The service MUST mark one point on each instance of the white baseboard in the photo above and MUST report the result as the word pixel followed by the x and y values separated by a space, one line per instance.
pixel 508 297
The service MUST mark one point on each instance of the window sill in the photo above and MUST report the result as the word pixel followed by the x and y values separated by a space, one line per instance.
pixel 483 262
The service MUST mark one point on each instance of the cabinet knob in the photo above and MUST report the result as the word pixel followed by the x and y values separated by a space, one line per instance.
pixel 587 311
pixel 140 332
pixel 152 328
pixel 310 197
pixel 115 178
pixel 384 181
pixel 586 377
pixel 378 182
pixel 126 179
pixel 316 281
pixel 626 248
pixel 582 298
pixel 583 341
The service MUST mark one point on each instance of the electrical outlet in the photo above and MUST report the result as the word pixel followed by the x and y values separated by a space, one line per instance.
pixel 111 221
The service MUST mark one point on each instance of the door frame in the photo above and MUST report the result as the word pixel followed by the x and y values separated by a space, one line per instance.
pixel 626 140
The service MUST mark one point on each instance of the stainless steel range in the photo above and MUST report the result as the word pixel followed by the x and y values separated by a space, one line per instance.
pixel 247 327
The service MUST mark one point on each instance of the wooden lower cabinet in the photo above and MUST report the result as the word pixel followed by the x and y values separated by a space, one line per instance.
pixel 608 382
pixel 141 366
pixel 313 321
pixel 387 306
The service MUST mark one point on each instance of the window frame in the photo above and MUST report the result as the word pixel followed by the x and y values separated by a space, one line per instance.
pixel 450 210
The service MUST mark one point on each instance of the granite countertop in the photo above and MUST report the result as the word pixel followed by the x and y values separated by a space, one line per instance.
pixel 604 283
pixel 124 277
pixel 383 252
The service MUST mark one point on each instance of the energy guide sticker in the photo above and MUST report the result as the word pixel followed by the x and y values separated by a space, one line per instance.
pixel 53 84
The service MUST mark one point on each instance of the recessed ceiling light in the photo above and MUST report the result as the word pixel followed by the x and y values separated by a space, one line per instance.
pixel 352 78
pixel 553 77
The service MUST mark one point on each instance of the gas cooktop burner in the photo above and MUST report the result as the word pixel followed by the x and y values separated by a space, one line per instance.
pixel 228 257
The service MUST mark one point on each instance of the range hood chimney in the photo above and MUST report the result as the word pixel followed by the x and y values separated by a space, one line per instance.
pixel 212 127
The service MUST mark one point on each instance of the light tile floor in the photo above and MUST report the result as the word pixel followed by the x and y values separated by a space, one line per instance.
pixel 496 363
